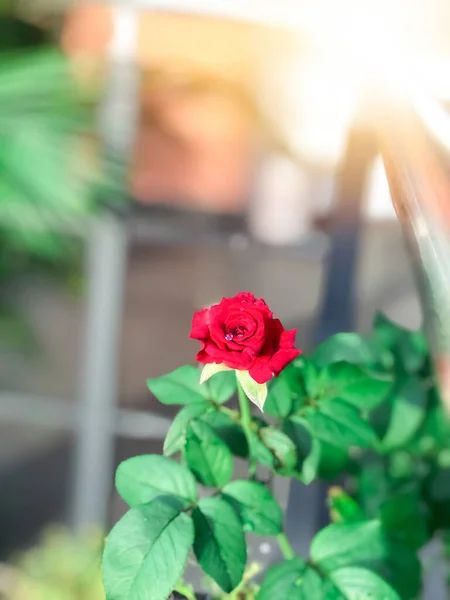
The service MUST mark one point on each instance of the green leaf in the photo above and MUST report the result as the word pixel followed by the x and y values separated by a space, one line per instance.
pixel 259 511
pixel 146 552
pixel 439 485
pixel 143 478
pixel 373 488
pixel 368 545
pixel 230 432
pixel 310 376
pixel 388 332
pixel 404 518
pixel 436 428
pixel 408 413
pixel 207 456
pixel 182 386
pixel 343 509
pixel 330 591
pixel 262 454
pixel 401 466
pixel 341 424
pixel 284 391
pixel 255 392
pixel 343 544
pixel 348 347
pixel 357 583
pixel 333 460
pixel 410 347
pixel 222 386
pixel 413 351
pixel 219 542
pixel 279 398
pixel 176 436
pixel 357 386
pixel 307 446
pixel 282 447
pixel 291 580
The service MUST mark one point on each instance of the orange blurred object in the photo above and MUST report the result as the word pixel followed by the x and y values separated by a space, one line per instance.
pixel 193 146
pixel 88 30
pixel 196 139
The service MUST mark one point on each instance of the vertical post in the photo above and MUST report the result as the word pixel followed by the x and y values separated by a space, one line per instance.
pixel 338 309
pixel 106 270
pixel 339 306
pixel 99 390
pixel 416 168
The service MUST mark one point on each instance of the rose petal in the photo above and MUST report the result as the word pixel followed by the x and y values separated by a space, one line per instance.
pixel 235 360
pixel 249 299
pixel 200 322
pixel 217 326
pixel 261 371
pixel 271 341
pixel 244 297
pixel 250 323
pixel 282 358
pixel 203 357
pixel 287 338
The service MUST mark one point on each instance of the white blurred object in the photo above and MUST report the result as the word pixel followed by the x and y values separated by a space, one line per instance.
pixel 309 102
pixel 265 548
pixel 280 213
pixel 123 44
pixel 310 109
pixel 325 103
pixel 377 201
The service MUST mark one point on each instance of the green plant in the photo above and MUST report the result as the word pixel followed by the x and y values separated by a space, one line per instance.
pixel 61 567
pixel 364 408
pixel 52 174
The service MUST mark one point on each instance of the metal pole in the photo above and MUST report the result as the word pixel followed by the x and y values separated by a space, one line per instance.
pixel 95 444
pixel 106 272
pixel 416 163
pixel 419 179
pixel 338 309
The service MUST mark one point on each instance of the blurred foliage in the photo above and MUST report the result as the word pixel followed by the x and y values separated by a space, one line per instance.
pixel 404 483
pixel 39 11
pixel 61 567
pixel 17 34
pixel 52 169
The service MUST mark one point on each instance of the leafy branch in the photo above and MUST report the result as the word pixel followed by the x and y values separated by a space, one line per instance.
pixel 360 405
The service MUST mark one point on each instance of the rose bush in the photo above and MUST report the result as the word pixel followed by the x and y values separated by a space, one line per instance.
pixel 361 408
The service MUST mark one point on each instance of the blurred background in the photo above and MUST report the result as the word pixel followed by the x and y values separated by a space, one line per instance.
pixel 155 156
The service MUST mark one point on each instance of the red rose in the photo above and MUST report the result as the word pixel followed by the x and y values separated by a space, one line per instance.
pixel 242 334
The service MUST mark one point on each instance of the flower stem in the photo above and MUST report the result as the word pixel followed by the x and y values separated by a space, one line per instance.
pixel 253 570
pixel 233 414
pixel 246 422
pixel 285 546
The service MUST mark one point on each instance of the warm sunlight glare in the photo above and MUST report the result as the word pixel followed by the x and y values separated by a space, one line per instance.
pixel 365 49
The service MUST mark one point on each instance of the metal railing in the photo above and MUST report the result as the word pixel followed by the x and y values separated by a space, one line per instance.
pixel 417 164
